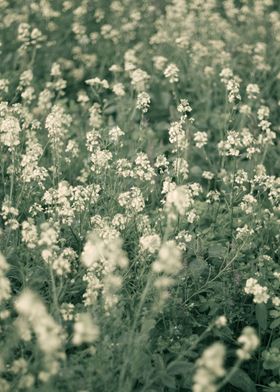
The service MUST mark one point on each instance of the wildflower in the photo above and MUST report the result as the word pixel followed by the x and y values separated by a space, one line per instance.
pixel 221 321
pixel 36 37
pixel 29 233
pixel 231 146
pixel 115 68
pixel 182 239
pixel 4 385
pixel 124 168
pixel 31 171
pixel 180 198
pixel 191 216
pixel 92 140
pixel 85 330
pixel 4 85
pixel 115 134
pixel 159 62
pixel 143 169
pixel 168 185
pixel 245 109
pixel 143 101
pixel 25 79
pixel 56 123
pixel 32 312
pixel 259 292
pixel 132 200
pixel 19 366
pixel 208 71
pixel 28 94
pixel 95 119
pixel 98 82
pixel 163 282
pixel 181 167
pixel 55 69
pixel 5 287
pixel 169 259
pixel 139 79
pixel 106 251
pixel 111 285
pixel 177 136
pixel 67 310
pixel 232 83
pixel 200 139
pixel 241 177
pixel 243 232
pixel 209 368
pixel 100 160
pixel 249 342
pixel 233 87
pixel 10 132
pixel 118 89
pixel 263 112
pixel 252 91
pixel 226 74
pixel 161 162
pixel 48 332
pixel 103 257
pixel 212 196
pixel 150 243
pixel 23 32
pixel 276 301
pixel 184 106
pixel 248 203
pixel 119 221
pixel 82 97
pixel 62 263
pixel 9 214
pixel 143 224
pixel 208 175
pixel 171 72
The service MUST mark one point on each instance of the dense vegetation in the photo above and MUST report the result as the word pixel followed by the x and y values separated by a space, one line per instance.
pixel 139 218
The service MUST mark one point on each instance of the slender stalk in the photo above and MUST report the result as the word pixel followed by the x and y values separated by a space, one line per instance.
pixel 12 177
pixel 54 293
pixel 229 375
pixel 129 354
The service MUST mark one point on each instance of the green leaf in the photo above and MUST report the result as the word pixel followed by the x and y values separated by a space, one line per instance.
pixel 242 381
pixel 261 314
pixel 168 381
pixel 147 325
pixel 197 267
pixel 178 367
pixel 275 323
pixel 159 362
pixel 110 109
pixel 276 343
pixel 217 250
pixel 270 364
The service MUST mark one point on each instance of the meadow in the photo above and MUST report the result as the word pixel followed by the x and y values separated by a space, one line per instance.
pixel 140 195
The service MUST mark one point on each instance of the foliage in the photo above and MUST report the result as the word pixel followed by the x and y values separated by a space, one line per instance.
pixel 139 194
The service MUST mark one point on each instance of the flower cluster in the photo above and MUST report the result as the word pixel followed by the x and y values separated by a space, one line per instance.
pixel 33 317
pixel 259 292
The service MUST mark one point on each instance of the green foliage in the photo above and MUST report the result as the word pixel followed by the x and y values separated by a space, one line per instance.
pixel 139 189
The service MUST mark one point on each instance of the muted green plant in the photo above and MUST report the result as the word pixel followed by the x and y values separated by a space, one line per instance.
pixel 139 195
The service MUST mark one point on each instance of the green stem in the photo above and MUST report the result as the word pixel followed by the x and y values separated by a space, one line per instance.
pixel 131 349
pixel 229 375
pixel 12 177
pixel 54 293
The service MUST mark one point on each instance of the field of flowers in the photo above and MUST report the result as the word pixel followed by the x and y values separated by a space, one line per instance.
pixel 140 195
